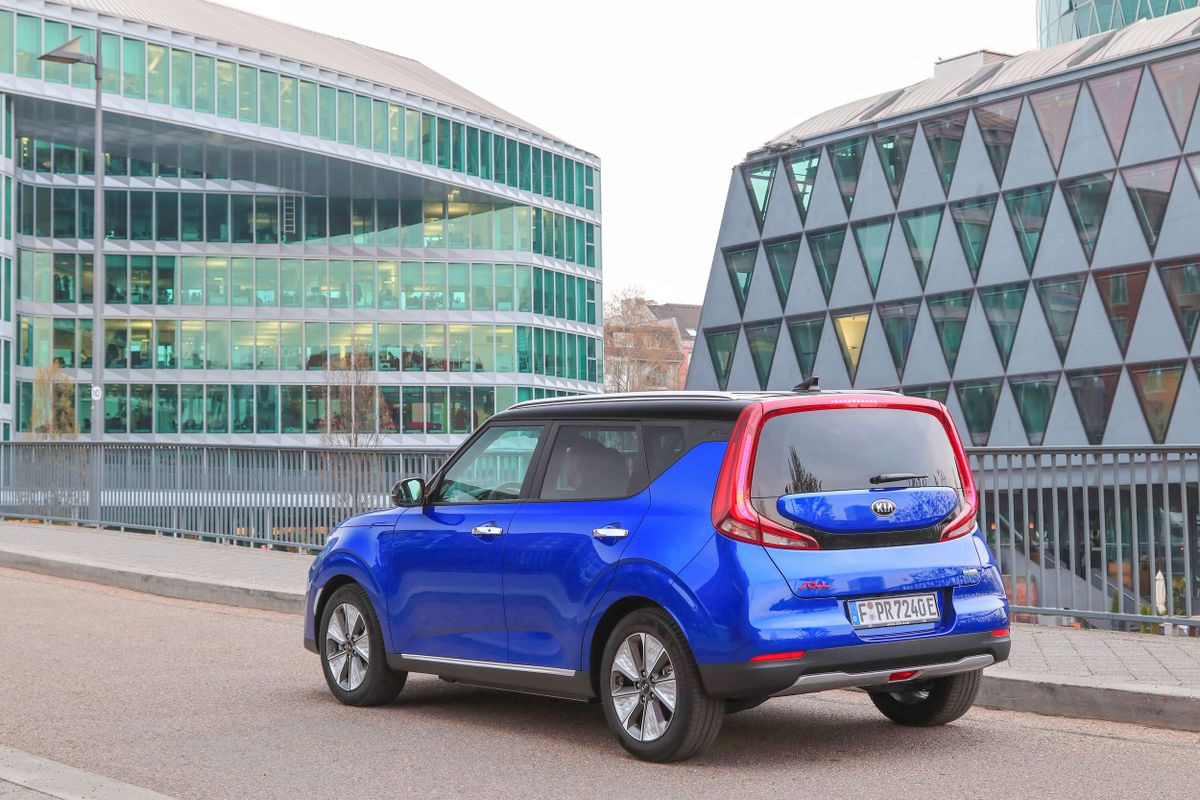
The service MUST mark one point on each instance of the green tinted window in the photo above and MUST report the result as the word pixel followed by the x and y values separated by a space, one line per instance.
pixel 158 79
pixel 181 79
pixel 759 178
pixel 721 345
pixel 1034 396
pixel 872 238
pixel 1002 305
pixel 133 69
pixel 308 108
pixel 846 160
pixel 762 339
pixel 328 114
pixel 978 401
pixel 205 78
pixel 1060 298
pixel 894 148
pixel 1087 199
pixel 740 264
pixel 973 221
pixel 227 98
pixel 921 232
pixel 949 315
pixel 1028 208
pixel 268 99
pixel 29 46
pixel 247 79
pixel 826 248
pixel 899 320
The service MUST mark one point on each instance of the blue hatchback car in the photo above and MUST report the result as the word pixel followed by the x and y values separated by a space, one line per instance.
pixel 676 557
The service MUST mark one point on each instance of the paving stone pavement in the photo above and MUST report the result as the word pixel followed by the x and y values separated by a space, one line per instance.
pixel 1089 657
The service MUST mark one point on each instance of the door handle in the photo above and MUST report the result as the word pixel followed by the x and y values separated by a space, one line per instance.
pixel 487 530
pixel 610 532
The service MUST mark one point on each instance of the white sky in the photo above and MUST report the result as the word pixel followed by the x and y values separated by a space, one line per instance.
pixel 670 95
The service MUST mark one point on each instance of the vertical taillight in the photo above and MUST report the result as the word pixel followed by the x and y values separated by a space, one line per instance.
pixel 963 522
pixel 733 514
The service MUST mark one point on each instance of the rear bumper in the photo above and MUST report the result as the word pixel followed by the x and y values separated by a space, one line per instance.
pixel 857 665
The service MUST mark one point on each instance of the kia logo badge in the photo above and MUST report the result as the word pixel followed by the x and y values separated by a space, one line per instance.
pixel 883 508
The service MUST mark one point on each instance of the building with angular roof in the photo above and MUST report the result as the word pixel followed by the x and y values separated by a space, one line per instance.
pixel 1017 236
pixel 306 240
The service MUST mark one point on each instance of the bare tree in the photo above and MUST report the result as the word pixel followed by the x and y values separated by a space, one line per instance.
pixel 353 395
pixel 641 352
pixel 53 413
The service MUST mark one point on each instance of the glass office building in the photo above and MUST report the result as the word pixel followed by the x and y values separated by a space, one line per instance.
pixel 1016 237
pixel 1064 20
pixel 296 251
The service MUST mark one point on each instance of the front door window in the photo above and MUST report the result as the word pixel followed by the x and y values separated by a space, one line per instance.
pixel 493 469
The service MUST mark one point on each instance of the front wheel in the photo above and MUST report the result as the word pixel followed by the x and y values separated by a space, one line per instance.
pixel 352 654
pixel 651 690
pixel 934 702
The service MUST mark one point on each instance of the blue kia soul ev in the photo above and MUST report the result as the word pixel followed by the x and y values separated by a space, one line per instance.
pixel 676 557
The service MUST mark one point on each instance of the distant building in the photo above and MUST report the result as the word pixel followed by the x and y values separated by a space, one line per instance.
pixel 308 239
pixel 1016 236
pixel 648 345
pixel 1063 20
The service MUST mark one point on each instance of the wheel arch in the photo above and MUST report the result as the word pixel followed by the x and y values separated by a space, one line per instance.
pixel 342 568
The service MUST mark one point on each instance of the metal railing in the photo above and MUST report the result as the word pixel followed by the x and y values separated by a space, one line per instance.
pixel 287 498
pixel 1109 535
pixel 1106 535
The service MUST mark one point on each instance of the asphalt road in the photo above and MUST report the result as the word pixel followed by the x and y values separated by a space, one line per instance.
pixel 206 701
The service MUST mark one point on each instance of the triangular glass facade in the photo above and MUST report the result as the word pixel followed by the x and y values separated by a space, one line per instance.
pixel 759 179
pixel 1113 96
pixel 1054 109
pixel 762 337
pixel 806 338
pixel 740 265
pixel 802 175
pixel 944 135
pixel 1034 395
pixel 721 344
pixel 1149 188
pixel 846 159
pixel 899 320
pixel 1121 291
pixel 978 400
pixel 1157 388
pixel 997 125
pixel 921 232
pixel 894 148
pixel 1094 390
pixel 872 238
pixel 949 315
pixel 973 220
pixel 851 329
pixel 1181 279
pixel 1087 199
pixel 1060 298
pixel 826 248
pixel 1178 81
pixel 1002 305
pixel 933 391
pixel 1027 208
pixel 781 255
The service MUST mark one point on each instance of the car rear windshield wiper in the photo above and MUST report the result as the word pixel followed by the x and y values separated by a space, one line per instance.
pixel 892 477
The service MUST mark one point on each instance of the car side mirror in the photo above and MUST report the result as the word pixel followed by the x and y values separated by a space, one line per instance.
pixel 408 492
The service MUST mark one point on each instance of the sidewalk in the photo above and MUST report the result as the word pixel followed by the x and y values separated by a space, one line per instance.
pixel 1120 677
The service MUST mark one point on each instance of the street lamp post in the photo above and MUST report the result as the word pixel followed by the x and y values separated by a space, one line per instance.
pixel 72 53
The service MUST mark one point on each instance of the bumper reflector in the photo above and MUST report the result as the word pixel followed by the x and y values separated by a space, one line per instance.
pixel 1000 632
pixel 778 656
pixel 907 674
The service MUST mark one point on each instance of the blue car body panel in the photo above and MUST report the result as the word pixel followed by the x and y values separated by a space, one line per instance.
pixel 850 512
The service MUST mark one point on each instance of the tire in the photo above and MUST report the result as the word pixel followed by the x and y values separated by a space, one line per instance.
pixel 640 713
pixel 357 674
pixel 935 702
pixel 738 706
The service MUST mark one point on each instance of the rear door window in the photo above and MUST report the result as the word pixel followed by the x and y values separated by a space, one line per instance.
pixel 843 449
pixel 594 462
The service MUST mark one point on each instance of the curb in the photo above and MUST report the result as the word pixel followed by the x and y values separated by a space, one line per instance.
pixel 164 585
pixel 63 782
pixel 1169 707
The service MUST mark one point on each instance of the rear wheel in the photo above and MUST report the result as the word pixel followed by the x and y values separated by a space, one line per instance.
pixel 352 654
pixel 930 703
pixel 651 691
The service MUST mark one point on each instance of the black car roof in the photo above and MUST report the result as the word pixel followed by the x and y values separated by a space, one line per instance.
pixel 717 406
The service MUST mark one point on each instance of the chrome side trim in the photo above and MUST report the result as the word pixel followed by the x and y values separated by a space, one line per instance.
pixel 819 682
pixel 466 662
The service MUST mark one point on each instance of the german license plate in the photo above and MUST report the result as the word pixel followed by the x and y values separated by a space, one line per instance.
pixel 877 612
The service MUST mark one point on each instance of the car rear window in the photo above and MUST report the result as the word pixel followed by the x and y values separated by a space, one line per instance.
pixel 838 449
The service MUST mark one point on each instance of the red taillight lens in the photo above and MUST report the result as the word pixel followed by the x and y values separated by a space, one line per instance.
pixel 964 523
pixel 1000 632
pixel 733 515
pixel 905 675
pixel 779 656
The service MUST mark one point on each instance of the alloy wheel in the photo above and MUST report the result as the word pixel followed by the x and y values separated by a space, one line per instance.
pixel 642 687
pixel 347 647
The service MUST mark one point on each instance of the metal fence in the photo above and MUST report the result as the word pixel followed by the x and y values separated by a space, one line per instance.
pixel 1110 535
pixel 280 497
